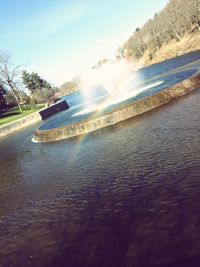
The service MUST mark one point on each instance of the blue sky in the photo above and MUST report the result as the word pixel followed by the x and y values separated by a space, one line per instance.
pixel 60 38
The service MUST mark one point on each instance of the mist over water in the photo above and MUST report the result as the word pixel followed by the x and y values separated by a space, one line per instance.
pixel 111 83
pixel 112 78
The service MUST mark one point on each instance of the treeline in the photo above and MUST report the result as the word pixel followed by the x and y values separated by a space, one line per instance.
pixel 68 87
pixel 18 87
pixel 40 90
pixel 173 22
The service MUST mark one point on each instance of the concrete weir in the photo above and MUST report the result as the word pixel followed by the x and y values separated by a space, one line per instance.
pixel 118 115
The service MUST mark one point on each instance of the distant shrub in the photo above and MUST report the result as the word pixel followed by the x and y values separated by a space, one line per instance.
pixel 150 55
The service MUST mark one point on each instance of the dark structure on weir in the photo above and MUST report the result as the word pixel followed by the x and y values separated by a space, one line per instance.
pixel 55 108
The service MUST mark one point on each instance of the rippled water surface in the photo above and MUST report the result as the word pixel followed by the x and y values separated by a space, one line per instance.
pixel 126 196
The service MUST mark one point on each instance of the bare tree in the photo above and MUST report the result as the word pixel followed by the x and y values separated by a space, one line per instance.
pixel 173 22
pixel 9 75
pixel 196 12
pixel 169 18
pixel 152 34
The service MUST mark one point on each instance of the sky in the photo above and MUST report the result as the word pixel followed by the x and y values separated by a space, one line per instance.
pixel 59 39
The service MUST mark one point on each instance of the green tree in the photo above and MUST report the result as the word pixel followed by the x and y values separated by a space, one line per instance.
pixel 2 96
pixel 10 98
pixel 33 81
pixel 40 89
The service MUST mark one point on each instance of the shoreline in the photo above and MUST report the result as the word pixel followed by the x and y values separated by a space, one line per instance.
pixel 19 124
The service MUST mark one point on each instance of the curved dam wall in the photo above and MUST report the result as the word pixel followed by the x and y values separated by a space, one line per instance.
pixel 123 113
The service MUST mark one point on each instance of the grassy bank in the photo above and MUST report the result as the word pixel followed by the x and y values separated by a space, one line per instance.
pixel 190 42
pixel 15 113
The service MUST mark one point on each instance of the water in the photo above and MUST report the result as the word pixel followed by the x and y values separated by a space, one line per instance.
pixel 127 195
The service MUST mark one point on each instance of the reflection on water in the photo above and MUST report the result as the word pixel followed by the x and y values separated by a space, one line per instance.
pixel 127 195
